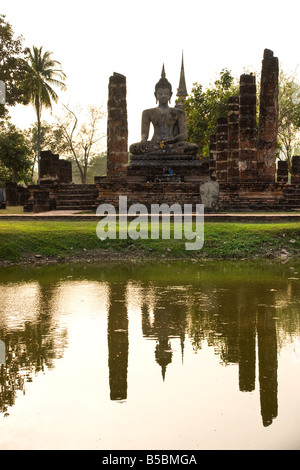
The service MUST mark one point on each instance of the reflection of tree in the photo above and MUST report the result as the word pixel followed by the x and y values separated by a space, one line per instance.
pixel 29 350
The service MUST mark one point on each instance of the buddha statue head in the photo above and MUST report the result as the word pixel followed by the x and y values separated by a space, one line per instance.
pixel 163 89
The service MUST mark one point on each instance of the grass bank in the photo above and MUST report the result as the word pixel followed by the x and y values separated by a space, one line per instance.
pixel 31 241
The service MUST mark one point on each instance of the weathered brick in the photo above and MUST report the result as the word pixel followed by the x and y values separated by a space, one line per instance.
pixel 117 129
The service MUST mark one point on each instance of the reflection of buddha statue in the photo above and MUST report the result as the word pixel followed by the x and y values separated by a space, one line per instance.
pixel 170 129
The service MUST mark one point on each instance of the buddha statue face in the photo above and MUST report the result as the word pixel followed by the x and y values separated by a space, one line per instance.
pixel 163 90
pixel 163 96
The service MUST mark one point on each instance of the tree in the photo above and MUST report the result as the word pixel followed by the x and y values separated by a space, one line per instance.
pixel 14 155
pixel 289 117
pixel 204 107
pixel 82 141
pixel 12 66
pixel 41 74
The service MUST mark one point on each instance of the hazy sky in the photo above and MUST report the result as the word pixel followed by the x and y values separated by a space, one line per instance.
pixel 95 38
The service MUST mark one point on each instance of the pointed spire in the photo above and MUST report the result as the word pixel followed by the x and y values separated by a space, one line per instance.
pixel 182 91
pixel 163 73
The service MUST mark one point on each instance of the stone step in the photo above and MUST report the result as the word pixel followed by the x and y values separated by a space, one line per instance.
pixel 74 193
pixel 75 187
pixel 77 208
pixel 75 203
pixel 74 197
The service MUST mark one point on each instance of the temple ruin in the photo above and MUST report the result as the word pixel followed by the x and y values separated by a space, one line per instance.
pixel 242 159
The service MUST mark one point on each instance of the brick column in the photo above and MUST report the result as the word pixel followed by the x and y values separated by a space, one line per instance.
pixel 295 179
pixel 233 140
pixel 247 129
pixel 212 157
pixel 268 118
pixel 117 129
pixel 221 149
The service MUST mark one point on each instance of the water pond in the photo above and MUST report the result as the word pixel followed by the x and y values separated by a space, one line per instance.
pixel 180 355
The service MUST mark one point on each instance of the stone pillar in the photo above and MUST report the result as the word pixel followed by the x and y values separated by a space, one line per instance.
pixel 247 129
pixel 233 140
pixel 295 178
pixel 117 129
pixel 221 149
pixel 282 171
pixel 268 118
pixel 212 157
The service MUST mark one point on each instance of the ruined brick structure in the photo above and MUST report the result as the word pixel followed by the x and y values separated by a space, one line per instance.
pixel 54 168
pixel 242 159
pixel 143 180
pixel 247 129
pixel 233 139
pixel 295 170
pixel 268 118
pixel 221 149
pixel 117 129
pixel 243 154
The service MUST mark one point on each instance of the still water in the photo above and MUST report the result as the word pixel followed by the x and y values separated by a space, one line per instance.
pixel 184 356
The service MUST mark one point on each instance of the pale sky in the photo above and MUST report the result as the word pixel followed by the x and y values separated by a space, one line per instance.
pixel 95 38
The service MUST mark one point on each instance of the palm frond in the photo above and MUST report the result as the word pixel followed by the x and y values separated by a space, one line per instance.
pixel 42 74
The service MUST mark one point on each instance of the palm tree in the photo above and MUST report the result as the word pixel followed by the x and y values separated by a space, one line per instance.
pixel 42 73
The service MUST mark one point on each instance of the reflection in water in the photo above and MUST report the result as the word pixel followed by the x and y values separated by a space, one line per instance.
pixel 118 342
pixel 168 321
pixel 234 311
pixel 267 353
pixel 231 330
pixel 32 336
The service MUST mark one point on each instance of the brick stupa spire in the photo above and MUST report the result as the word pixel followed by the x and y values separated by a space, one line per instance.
pixel 181 90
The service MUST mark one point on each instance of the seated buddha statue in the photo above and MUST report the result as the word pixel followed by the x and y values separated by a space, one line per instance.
pixel 170 128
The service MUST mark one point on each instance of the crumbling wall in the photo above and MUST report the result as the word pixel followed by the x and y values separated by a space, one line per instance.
pixel 247 129
pixel 54 168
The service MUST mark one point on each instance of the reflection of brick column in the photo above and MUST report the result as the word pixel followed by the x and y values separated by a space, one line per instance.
pixel 247 129
pixel 212 157
pixel 267 363
pixel 268 118
pixel 118 344
pixel 221 149
pixel 117 129
pixel 295 170
pixel 233 139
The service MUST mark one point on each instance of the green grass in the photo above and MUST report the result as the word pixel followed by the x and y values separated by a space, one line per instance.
pixel 20 239
pixel 12 210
